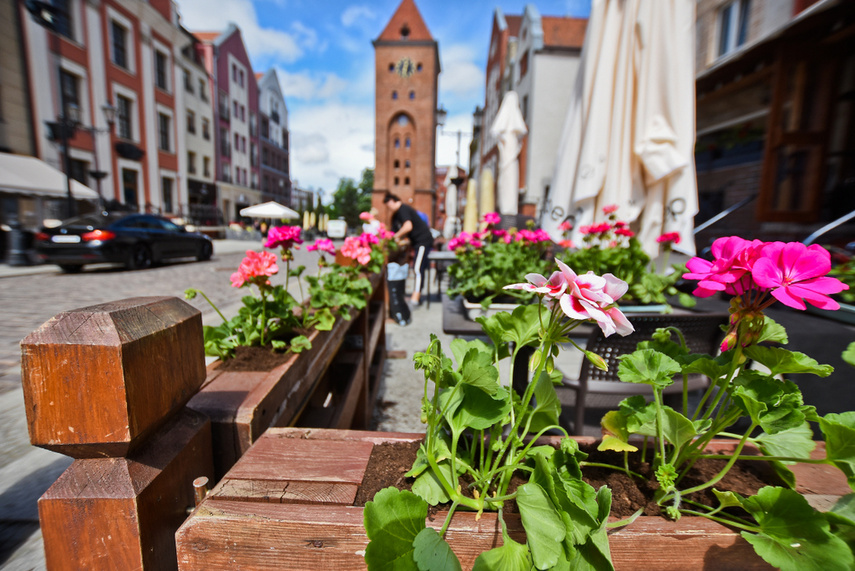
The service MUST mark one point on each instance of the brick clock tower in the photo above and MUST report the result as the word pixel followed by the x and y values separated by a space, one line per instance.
pixel 406 68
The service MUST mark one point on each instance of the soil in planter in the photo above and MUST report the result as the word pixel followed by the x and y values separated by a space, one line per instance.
pixel 389 462
pixel 254 359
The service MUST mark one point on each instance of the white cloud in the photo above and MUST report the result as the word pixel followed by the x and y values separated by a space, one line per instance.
pixel 460 76
pixel 344 132
pixel 354 14
pixel 310 86
pixel 214 15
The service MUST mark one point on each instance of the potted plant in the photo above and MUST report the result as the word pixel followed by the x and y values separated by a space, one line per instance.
pixel 480 433
pixel 488 260
pixel 285 347
pixel 611 247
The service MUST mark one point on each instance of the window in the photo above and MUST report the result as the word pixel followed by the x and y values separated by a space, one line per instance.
pixel 397 181
pixel 237 142
pixel 163 131
pixel 188 82
pixel 242 113
pixel 524 65
pixel 234 73
pixel 79 170
pixel 394 95
pixel 241 78
pixel 191 122
pixel 391 67
pixel 62 21
pixel 243 144
pixel 406 180
pixel 69 86
pixel 397 143
pixel 412 94
pixel 407 164
pixel 119 38
pixel 397 163
pixel 206 129
pixel 733 26
pixel 227 172
pixel 407 143
pixel 191 162
pixel 161 73
pixel 123 117
pixel 206 166
pixel 203 91
pixel 402 120
pixel 224 143
pixel 166 185
pixel 236 109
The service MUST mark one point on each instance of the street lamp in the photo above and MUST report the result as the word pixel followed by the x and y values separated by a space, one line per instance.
pixel 441 117
pixel 63 129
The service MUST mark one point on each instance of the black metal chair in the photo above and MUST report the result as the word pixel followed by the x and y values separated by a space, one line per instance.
pixel 702 332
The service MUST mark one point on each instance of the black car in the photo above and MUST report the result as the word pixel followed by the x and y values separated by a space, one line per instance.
pixel 135 240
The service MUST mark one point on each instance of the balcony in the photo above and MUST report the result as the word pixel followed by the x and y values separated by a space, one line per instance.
pixel 275 117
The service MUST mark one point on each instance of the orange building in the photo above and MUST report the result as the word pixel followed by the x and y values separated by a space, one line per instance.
pixel 406 59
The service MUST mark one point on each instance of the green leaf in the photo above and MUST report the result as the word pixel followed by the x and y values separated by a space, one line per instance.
pixel 543 526
pixel 676 428
pixel 470 407
pixel 547 406
pixel 796 442
pixel 428 488
pixel 392 521
pixel 773 332
pixel 300 343
pixel 785 474
pixel 511 556
pixel 839 431
pixel 782 361
pixel 728 499
pixel 787 555
pixel 432 553
pixel 648 367
pixel 849 354
pixel 519 327
pixel 640 415
pixel 774 405
pixel 478 370
pixel 616 433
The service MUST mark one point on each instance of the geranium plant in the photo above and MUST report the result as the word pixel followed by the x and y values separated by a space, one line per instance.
pixel 611 247
pixel 488 260
pixel 479 431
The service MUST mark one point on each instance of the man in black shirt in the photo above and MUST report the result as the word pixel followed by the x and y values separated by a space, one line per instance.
pixel 406 223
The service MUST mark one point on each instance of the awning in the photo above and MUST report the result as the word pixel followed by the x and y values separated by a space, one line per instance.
pixel 29 176
pixel 269 210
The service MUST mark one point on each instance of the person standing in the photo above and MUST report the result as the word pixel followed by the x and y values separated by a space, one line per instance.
pixel 406 223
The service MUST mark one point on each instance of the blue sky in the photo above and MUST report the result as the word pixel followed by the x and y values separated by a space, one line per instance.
pixel 323 55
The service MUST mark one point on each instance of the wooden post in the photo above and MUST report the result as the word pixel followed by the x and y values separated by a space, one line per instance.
pixel 107 385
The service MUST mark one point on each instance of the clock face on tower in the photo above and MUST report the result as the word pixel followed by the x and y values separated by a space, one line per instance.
pixel 405 67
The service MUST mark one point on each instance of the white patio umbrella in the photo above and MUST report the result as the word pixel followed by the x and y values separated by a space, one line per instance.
pixel 470 213
pixel 268 210
pixel 487 201
pixel 451 220
pixel 508 128
pixel 306 224
pixel 629 133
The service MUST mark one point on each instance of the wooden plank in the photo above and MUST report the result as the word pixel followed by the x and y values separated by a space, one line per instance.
pixel 139 359
pixel 304 460
pixel 122 513
pixel 276 491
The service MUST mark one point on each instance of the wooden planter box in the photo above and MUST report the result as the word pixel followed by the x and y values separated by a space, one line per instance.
pixel 288 504
pixel 330 385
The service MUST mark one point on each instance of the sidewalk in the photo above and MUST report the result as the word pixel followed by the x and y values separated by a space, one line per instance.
pixel 220 247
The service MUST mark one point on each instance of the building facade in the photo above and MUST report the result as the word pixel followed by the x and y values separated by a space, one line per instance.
pixel 406 61
pixel 235 94
pixel 120 53
pixel 274 140
pixel 543 74
pixel 197 115
pixel 775 117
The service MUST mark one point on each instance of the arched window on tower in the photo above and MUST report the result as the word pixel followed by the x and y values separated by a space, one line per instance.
pixel 397 143
pixel 398 163
pixel 397 181
pixel 406 163
pixel 407 143
pixel 407 180
pixel 394 95
pixel 412 94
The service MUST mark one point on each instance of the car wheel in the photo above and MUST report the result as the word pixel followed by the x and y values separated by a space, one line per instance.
pixel 205 252
pixel 140 258
pixel 71 268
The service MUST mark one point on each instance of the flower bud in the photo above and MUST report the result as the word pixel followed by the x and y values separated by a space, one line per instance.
pixel 597 361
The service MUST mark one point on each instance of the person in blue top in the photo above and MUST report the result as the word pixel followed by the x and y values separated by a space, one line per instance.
pixel 406 223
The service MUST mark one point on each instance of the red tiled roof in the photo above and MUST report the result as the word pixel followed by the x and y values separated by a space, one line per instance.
pixel 513 23
pixel 206 37
pixel 563 32
pixel 406 14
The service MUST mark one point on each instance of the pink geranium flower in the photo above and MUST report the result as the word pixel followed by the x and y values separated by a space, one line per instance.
pixel 492 218
pixel 356 249
pixel 322 245
pixel 584 297
pixel 565 226
pixel 366 216
pixel 624 232
pixel 795 273
pixel 669 238
pixel 731 270
pixel 286 237
pixel 255 268
pixel 609 209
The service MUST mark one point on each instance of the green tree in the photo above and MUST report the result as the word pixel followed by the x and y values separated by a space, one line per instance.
pixel 350 199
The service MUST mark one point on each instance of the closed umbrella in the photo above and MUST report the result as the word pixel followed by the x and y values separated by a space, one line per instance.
pixel 629 132
pixel 508 128
pixel 306 220
pixel 470 213
pixel 312 219
pixel 451 219
pixel 487 203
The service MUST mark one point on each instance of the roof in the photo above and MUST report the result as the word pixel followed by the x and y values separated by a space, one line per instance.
pixel 28 176
pixel 563 32
pixel 406 17
pixel 513 23
pixel 206 37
